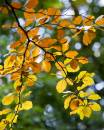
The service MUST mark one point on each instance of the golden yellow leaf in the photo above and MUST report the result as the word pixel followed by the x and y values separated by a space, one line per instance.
pixel 67 101
pixel 2 125
pixel 9 61
pixel 100 20
pixel 69 81
pixel 30 80
pixel 27 105
pixel 88 80
pixel 61 86
pixel 87 111
pixel 5 111
pixel 83 94
pixel 1 67
pixel 8 99
pixel 17 83
pixel 11 117
pixel 94 97
pixel 95 106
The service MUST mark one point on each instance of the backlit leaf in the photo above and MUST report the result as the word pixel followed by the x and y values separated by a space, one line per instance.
pixel 61 86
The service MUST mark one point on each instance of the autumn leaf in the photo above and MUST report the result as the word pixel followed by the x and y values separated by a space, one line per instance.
pixel 100 20
pixel 46 66
pixel 61 86
pixel 31 3
pixel 88 37
pixel 30 80
pixel 71 54
pixel 16 5
pixel 8 99
pixel 77 20
pixel 74 104
pixel 27 105
pixel 95 106
pixel 94 97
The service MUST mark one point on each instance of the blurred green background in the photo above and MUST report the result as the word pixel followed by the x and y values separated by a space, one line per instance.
pixel 48 112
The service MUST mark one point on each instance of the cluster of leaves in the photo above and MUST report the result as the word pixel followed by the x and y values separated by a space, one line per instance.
pixel 33 53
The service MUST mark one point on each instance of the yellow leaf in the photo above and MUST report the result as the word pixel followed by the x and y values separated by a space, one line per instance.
pixel 61 86
pixel 95 107
pixel 17 83
pixel 83 94
pixel 8 99
pixel 67 101
pixel 1 67
pixel 100 20
pixel 87 111
pixel 80 76
pixel 27 105
pixel 9 61
pixel 94 97
pixel 88 80
pixel 5 111
pixel 11 118
pixel 69 81
pixel 31 79
pixel 59 65
pixel 2 125
pixel 80 112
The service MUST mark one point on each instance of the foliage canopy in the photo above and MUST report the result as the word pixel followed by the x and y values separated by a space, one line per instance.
pixel 43 45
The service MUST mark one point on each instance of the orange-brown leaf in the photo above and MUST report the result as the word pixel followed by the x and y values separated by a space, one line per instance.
pixel 32 3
